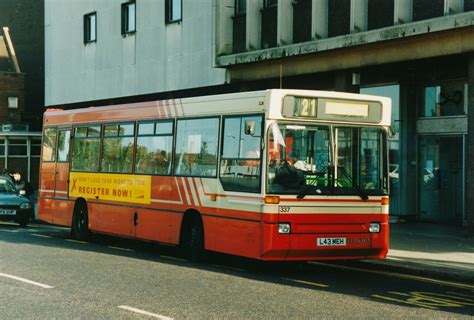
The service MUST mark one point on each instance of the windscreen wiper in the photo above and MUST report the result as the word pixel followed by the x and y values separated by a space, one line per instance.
pixel 362 194
pixel 307 188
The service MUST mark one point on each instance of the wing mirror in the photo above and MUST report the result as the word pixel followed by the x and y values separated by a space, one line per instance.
pixel 22 193
pixel 249 127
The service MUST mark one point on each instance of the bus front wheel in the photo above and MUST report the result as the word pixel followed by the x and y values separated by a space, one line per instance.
pixel 193 241
pixel 80 222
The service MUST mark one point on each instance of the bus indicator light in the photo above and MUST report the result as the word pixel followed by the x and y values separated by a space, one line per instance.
pixel 385 201
pixel 272 199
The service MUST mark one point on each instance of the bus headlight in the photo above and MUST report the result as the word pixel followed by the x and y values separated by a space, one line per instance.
pixel 284 228
pixel 374 227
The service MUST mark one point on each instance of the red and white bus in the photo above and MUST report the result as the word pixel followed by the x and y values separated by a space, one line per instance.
pixel 271 175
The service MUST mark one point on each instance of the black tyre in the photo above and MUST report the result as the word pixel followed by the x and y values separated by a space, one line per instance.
pixel 80 222
pixel 193 240
pixel 197 251
pixel 23 221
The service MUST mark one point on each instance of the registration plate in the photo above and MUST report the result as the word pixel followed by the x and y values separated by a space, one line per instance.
pixel 7 212
pixel 327 242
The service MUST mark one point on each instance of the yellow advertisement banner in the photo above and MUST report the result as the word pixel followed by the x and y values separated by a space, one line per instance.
pixel 113 187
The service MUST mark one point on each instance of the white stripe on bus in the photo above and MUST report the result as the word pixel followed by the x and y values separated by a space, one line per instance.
pixel 179 190
pixel 157 104
pixel 46 191
pixel 183 182
pixel 194 194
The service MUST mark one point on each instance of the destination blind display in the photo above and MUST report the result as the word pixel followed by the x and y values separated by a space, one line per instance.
pixel 332 109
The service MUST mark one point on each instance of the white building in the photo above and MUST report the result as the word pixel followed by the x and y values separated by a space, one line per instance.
pixel 132 49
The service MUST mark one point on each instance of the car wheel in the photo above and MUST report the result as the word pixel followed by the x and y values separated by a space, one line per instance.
pixel 23 221
pixel 80 222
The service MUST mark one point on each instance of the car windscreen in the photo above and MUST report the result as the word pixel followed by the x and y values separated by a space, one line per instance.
pixel 6 186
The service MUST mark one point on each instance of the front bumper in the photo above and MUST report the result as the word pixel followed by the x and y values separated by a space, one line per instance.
pixel 21 215
pixel 303 246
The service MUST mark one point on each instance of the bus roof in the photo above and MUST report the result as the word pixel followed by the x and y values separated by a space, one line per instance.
pixel 232 103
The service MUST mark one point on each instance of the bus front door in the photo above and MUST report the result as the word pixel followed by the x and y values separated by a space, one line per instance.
pixel 61 178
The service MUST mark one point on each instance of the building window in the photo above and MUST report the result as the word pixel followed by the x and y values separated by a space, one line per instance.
pixel 339 16
pixel 240 7
pixel 13 102
pixel 173 10
pixel 447 99
pixel 468 5
pixel 269 21
pixel 380 13
pixel 128 17
pixel 269 3
pixel 427 9
pixel 90 27
pixel 302 11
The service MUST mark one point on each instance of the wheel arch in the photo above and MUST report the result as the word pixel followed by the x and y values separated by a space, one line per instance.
pixel 189 217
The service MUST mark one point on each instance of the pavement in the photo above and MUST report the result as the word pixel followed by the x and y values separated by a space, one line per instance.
pixel 430 250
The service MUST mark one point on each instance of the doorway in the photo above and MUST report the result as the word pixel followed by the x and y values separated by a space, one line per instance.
pixel 440 179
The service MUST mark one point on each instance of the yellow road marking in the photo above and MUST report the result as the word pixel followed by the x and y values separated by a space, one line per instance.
pixel 307 282
pixel 399 275
pixel 403 301
pixel 463 295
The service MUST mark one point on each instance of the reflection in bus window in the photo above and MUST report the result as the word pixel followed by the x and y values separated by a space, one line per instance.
pixel 196 147
pixel 154 148
pixel 85 149
pixel 240 162
pixel 370 162
pixel 63 145
pixel 298 157
pixel 359 158
pixel 117 153
pixel 49 144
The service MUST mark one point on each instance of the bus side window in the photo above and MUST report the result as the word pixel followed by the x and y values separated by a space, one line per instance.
pixel 241 154
pixel 85 148
pixel 118 147
pixel 63 145
pixel 154 147
pixel 49 144
pixel 196 147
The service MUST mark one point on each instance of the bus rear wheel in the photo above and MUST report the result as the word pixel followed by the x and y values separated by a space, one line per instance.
pixel 80 222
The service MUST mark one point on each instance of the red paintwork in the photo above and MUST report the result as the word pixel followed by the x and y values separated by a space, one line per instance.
pixel 227 229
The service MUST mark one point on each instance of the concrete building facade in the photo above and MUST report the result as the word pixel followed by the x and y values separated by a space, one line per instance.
pixel 156 56
pixel 420 53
